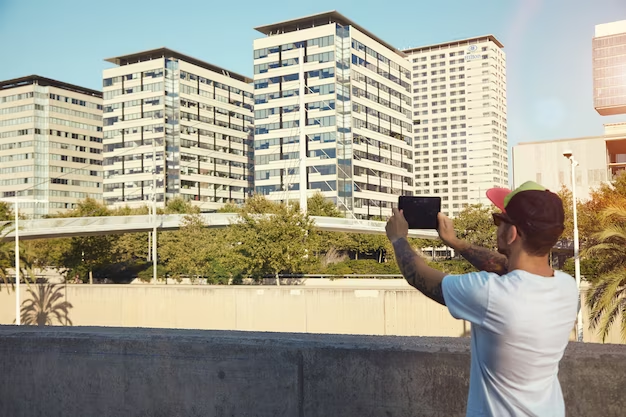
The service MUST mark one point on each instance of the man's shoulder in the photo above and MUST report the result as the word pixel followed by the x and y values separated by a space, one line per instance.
pixel 520 273
pixel 519 278
pixel 562 274
pixel 469 278
pixel 566 280
pixel 476 274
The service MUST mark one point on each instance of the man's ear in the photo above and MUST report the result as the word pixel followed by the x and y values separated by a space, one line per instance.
pixel 512 234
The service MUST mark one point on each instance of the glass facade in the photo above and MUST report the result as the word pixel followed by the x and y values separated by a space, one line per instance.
pixel 41 152
pixel 344 116
pixel 344 129
pixel 200 124
pixel 609 74
pixel 51 144
pixel 172 128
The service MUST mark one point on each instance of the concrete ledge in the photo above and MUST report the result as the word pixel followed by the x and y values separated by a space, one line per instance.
pixel 155 372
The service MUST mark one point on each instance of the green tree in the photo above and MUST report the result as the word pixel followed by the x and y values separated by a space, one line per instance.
pixel 589 268
pixel 362 267
pixel 273 238
pixel 132 249
pixel 179 205
pixel 88 256
pixel 318 205
pixel 187 250
pixel 6 214
pixel 87 208
pixel 118 257
pixel 425 243
pixel 566 196
pixel 453 266
pixel 322 242
pixel 606 298
pixel 475 225
pixel 368 245
pixel 588 214
pixel 226 262
pixel 197 251
pixel 47 252
pixel 145 274
pixel 7 256
pixel 259 204
pixel 590 217
pixel 229 208
pixel 7 252
pixel 129 211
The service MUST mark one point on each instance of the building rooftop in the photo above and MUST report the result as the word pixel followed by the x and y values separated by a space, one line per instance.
pixel 617 136
pixel 609 29
pixel 452 44
pixel 169 53
pixel 43 81
pixel 320 19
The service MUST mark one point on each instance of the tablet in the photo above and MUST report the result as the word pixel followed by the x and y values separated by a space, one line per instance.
pixel 420 212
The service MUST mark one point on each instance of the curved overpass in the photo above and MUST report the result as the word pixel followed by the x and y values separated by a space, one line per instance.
pixel 90 226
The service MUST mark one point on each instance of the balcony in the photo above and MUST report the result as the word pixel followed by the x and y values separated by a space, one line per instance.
pixel 616 150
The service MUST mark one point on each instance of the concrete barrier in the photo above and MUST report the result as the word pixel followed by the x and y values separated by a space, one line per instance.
pixel 341 310
pixel 148 372
pixel 352 307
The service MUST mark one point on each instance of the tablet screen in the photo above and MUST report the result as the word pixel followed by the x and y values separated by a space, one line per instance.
pixel 420 212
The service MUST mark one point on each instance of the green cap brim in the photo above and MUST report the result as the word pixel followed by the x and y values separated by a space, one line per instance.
pixel 527 186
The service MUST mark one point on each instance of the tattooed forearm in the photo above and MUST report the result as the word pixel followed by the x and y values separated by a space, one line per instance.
pixel 416 272
pixel 484 259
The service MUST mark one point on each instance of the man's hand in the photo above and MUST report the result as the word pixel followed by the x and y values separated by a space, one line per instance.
pixel 397 226
pixel 447 233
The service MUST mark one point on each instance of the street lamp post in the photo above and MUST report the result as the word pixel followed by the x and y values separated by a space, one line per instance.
pixel 579 319
pixel 152 208
pixel 154 214
pixel 16 204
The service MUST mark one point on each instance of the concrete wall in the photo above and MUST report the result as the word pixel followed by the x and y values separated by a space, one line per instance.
pixel 361 310
pixel 141 372
pixel 393 309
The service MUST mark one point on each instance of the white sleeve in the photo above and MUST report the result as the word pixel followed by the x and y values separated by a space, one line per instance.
pixel 467 295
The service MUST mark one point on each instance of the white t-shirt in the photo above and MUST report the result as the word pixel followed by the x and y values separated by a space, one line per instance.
pixel 521 324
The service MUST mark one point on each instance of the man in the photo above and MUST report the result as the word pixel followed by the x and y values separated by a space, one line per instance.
pixel 521 310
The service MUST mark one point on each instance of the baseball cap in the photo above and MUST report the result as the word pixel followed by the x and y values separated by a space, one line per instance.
pixel 531 207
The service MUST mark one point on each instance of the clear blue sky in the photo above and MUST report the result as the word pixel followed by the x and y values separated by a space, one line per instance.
pixel 547 42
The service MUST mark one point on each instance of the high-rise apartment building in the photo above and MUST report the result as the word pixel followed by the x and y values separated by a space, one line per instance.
pixel 609 68
pixel 459 113
pixel 332 102
pixel 50 143
pixel 194 117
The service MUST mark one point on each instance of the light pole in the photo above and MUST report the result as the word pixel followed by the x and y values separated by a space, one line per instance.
pixel 154 207
pixel 16 204
pixel 302 139
pixel 579 319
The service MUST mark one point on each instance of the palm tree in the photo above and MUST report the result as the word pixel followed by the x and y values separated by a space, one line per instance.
pixel 6 253
pixel 7 257
pixel 606 298
pixel 45 305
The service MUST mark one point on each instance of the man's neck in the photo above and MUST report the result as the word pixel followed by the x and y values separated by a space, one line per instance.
pixel 537 265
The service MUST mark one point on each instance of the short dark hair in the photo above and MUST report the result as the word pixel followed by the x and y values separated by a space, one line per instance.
pixel 540 244
pixel 539 217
